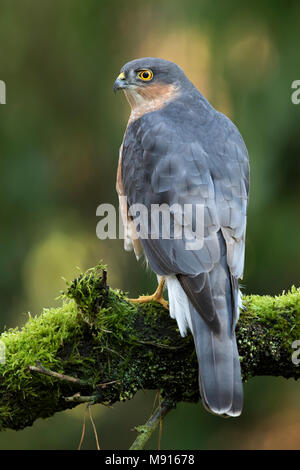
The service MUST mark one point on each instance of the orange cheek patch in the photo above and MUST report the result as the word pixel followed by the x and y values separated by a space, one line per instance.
pixel 148 98
pixel 158 91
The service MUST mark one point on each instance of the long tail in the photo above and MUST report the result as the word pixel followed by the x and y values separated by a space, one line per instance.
pixel 219 368
pixel 220 380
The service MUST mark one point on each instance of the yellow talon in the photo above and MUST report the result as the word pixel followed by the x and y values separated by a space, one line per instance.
pixel 156 297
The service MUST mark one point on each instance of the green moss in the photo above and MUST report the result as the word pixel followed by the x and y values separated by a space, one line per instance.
pixel 40 339
pixel 279 315
pixel 98 336
pixel 267 328
pixel 89 291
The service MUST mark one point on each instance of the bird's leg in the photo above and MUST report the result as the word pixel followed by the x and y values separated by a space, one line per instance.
pixel 156 297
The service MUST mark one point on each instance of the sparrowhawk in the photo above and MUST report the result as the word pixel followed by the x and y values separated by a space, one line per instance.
pixel 177 151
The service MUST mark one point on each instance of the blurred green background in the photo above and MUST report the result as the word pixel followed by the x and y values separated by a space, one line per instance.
pixel 59 139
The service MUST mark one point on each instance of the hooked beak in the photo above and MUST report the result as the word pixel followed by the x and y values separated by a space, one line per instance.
pixel 120 82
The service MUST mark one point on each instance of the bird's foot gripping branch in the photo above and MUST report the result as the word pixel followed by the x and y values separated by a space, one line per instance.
pixel 99 348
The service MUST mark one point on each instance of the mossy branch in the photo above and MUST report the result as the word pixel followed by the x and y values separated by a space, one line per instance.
pixel 113 348
pixel 146 431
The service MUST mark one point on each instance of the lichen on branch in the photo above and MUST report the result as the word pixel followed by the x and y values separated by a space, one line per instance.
pixel 116 348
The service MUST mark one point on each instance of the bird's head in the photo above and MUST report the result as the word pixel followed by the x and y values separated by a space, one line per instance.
pixel 151 79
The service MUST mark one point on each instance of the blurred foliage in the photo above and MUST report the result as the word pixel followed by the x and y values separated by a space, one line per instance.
pixel 60 133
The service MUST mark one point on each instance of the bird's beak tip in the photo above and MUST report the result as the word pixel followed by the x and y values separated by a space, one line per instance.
pixel 120 82
pixel 116 87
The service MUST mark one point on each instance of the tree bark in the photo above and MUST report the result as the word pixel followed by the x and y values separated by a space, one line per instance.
pixel 99 348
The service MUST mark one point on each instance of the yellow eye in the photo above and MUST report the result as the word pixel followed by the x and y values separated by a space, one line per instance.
pixel 145 75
